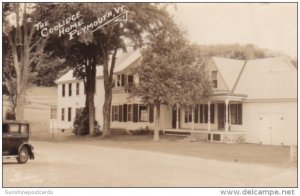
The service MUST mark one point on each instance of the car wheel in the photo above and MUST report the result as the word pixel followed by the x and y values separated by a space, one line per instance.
pixel 23 155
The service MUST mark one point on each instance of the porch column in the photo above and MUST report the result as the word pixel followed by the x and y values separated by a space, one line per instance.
pixel 193 124
pixel 208 123
pixel 177 116
pixel 226 114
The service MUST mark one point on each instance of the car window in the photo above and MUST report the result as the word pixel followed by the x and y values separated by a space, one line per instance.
pixel 4 128
pixel 14 128
pixel 23 129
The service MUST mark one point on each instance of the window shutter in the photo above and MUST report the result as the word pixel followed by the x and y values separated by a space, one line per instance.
pixel 240 114
pixel 151 114
pixel 112 113
pixel 201 113
pixel 186 115
pixel 196 113
pixel 120 113
pixel 122 80
pixel 212 113
pixel 124 112
pixel 205 113
pixel 135 112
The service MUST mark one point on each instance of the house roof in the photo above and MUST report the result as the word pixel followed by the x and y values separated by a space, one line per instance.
pixel 124 60
pixel 267 78
pixel 229 68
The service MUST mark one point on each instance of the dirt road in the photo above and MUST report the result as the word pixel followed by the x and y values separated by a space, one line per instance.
pixel 83 165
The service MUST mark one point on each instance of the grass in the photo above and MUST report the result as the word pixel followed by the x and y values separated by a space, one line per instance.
pixel 244 153
pixel 37 112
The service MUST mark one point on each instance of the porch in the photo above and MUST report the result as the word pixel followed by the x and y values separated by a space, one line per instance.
pixel 209 135
pixel 219 119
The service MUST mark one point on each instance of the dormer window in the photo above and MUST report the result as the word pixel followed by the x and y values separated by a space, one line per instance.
pixel 214 76
pixel 123 80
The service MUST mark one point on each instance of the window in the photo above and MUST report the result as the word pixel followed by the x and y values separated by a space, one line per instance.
pixel 63 114
pixel 236 114
pixel 203 113
pixel 53 113
pixel 23 129
pixel 214 76
pixel 14 128
pixel 143 114
pixel 63 89
pixel 77 88
pixel 129 112
pixel 69 114
pixel 115 113
pixel 133 113
pixel 129 83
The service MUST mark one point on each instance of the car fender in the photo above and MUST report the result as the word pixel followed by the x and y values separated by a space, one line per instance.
pixel 29 147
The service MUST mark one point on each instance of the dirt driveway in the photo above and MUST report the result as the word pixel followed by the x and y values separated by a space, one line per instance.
pixel 67 164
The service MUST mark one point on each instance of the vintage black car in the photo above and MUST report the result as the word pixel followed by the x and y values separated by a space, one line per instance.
pixel 15 136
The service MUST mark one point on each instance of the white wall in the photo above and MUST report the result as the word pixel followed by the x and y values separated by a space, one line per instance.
pixel 78 101
pixel 120 98
pixel 263 122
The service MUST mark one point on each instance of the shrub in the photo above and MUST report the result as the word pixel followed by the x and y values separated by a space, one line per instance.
pixel 81 123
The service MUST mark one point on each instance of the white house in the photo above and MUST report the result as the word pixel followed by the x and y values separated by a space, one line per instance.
pixel 253 101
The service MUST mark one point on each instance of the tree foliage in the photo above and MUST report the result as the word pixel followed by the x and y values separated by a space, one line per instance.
pixel 171 73
pixel 24 47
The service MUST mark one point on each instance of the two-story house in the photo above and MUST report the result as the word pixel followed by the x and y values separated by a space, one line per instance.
pixel 253 101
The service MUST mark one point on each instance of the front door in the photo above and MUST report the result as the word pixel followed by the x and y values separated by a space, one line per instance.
pixel 174 118
pixel 221 116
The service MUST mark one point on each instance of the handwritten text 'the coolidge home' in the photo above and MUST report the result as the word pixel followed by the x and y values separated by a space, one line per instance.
pixel 74 25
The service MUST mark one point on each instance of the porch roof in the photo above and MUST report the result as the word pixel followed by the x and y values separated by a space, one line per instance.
pixel 228 96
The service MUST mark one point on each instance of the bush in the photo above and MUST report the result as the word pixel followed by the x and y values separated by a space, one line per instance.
pixel 142 131
pixel 81 123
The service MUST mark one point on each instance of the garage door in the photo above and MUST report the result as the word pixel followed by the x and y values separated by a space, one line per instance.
pixel 271 128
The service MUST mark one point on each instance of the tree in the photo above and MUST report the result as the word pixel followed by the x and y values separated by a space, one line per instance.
pixel 170 73
pixel 25 46
pixel 144 20
pixel 84 56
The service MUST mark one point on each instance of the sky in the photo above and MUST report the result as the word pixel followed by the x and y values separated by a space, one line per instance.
pixel 267 25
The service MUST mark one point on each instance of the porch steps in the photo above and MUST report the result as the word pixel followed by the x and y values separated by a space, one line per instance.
pixel 196 137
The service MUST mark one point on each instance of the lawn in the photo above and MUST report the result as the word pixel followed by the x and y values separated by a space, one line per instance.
pixel 244 153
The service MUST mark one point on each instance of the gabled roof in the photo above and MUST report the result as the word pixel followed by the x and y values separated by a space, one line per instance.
pixel 269 78
pixel 230 69
pixel 124 60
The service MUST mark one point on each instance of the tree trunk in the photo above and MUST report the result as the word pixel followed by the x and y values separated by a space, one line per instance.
pixel 107 111
pixel 20 98
pixel 19 111
pixel 157 122
pixel 108 79
pixel 91 111
pixel 90 92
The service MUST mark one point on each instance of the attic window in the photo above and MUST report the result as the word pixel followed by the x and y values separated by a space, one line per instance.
pixel 214 79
